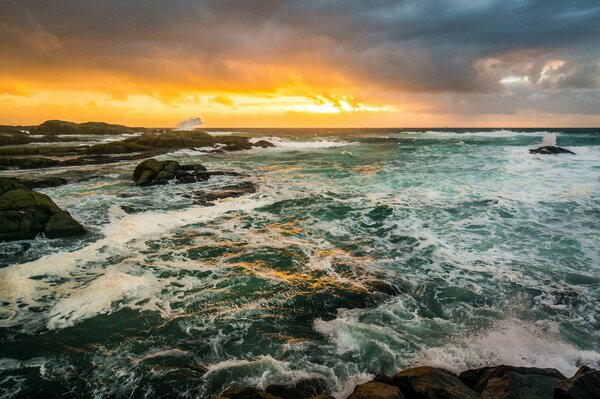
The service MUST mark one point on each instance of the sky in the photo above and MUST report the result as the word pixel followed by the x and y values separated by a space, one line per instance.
pixel 305 63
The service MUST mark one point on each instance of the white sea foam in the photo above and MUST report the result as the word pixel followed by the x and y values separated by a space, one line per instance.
pixel 482 134
pixel 124 235
pixel 510 342
pixel 98 297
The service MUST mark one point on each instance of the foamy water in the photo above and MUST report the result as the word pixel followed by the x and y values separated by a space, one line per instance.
pixel 360 253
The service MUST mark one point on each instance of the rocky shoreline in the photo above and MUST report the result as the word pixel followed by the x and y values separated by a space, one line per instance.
pixel 497 382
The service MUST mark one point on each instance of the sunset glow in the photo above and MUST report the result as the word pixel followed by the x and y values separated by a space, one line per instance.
pixel 288 64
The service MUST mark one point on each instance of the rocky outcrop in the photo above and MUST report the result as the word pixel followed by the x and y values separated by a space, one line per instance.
pixel 432 383
pixel 585 384
pixel 498 382
pixel 24 214
pixel 550 150
pixel 53 127
pixel 477 379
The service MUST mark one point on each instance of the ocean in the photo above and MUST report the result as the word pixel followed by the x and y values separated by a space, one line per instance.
pixel 363 251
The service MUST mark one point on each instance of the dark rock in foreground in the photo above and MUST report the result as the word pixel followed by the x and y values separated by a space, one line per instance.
pixel 499 382
pixel 550 150
pixel 478 379
pixel 24 214
pixel 585 384
pixel 432 383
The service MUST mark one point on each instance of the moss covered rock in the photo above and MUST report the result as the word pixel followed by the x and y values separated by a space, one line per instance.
pixel 24 214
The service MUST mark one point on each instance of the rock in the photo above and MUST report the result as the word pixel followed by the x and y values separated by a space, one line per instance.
pixel 520 386
pixel 376 390
pixel 61 224
pixel 169 140
pixel 246 393
pixel 45 182
pixel 27 163
pixel 303 389
pixel 233 191
pixel 432 383
pixel 477 379
pixel 53 127
pixel 152 172
pixel 24 214
pixel 550 150
pixel 263 144
pixel 585 384
pixel 9 184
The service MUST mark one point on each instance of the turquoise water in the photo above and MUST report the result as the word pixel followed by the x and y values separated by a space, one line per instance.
pixel 363 251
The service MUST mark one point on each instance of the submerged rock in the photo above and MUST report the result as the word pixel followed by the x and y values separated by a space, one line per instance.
pixel 432 383
pixel 550 150
pixel 376 390
pixel 585 384
pixel 232 191
pixel 24 214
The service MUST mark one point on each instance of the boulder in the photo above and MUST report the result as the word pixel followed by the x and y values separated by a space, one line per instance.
pixel 376 390
pixel 303 389
pixel 432 383
pixel 477 379
pixel 520 386
pixel 152 172
pixel 585 384
pixel 550 150
pixel 24 214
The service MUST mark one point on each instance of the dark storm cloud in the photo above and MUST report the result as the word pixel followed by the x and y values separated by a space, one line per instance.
pixel 419 45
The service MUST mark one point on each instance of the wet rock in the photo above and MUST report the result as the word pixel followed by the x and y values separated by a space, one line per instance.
pixel 24 214
pixel 550 150
pixel 27 163
pixel 152 172
pixel 477 379
pixel 585 384
pixel 520 386
pixel 432 383
pixel 45 182
pixel 376 390
pixel 232 191
pixel 303 389
pixel 263 144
